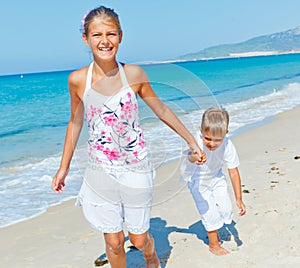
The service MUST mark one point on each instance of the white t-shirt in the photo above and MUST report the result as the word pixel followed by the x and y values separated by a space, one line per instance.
pixel 212 168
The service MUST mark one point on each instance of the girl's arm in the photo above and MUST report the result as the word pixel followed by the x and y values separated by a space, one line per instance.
pixel 143 88
pixel 237 188
pixel 72 133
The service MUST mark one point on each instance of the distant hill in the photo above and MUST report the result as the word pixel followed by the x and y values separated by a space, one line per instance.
pixel 277 43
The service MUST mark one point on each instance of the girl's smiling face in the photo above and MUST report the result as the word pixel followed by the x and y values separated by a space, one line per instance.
pixel 103 38
pixel 212 142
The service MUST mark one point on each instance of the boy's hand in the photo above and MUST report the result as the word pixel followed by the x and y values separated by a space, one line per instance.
pixel 242 207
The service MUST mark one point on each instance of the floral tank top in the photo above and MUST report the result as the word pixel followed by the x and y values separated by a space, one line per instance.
pixel 115 135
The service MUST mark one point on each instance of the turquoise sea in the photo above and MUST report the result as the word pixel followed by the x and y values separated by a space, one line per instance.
pixel 35 111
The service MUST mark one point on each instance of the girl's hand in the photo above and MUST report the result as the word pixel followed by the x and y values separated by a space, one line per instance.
pixel 197 152
pixel 58 182
pixel 202 159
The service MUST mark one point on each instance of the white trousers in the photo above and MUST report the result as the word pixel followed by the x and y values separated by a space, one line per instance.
pixel 213 203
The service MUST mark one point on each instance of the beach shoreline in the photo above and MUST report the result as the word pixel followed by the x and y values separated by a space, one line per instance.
pixel 267 236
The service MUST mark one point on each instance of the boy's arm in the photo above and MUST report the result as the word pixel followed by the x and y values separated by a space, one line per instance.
pixel 236 184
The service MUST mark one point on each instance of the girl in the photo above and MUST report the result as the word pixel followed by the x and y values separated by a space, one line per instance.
pixel 118 182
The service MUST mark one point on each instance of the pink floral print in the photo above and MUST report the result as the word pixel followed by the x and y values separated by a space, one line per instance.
pixel 115 133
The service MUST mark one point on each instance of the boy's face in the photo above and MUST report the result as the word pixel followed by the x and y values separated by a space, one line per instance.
pixel 212 142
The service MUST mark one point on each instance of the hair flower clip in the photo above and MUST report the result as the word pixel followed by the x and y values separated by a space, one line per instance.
pixel 83 21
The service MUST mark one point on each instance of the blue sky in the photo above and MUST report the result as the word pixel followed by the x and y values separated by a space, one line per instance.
pixel 39 36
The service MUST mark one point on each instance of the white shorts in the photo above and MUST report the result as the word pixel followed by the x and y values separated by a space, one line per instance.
pixel 113 196
pixel 213 203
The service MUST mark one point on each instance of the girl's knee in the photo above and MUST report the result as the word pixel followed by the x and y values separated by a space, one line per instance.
pixel 114 243
pixel 114 246
pixel 141 241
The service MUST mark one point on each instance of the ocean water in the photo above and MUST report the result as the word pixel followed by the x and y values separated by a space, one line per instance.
pixel 35 114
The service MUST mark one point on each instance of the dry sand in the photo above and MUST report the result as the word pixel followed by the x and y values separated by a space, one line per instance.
pixel 267 236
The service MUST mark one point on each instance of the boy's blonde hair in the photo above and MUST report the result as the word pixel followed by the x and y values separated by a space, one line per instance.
pixel 215 120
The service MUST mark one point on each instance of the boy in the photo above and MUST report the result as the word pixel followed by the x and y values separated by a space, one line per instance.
pixel 207 183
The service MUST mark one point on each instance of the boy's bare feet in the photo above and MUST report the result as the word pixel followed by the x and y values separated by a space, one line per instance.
pixel 214 244
pixel 218 250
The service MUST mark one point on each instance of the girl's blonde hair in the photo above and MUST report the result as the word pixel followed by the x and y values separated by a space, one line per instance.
pixel 215 120
pixel 100 12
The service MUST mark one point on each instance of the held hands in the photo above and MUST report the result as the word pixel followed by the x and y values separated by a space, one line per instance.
pixel 197 155
pixel 58 182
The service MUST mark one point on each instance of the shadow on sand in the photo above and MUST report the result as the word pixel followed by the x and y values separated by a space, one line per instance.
pixel 160 231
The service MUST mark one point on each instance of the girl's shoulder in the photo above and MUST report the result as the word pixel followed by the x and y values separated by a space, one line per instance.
pixel 134 73
pixel 77 80
pixel 79 75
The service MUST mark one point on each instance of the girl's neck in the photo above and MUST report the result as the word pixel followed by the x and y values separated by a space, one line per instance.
pixel 105 68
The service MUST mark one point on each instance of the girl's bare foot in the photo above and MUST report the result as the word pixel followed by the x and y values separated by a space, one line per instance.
pixel 218 250
pixel 153 262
